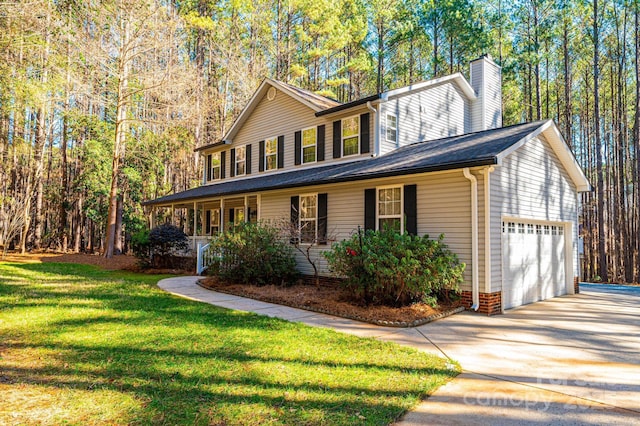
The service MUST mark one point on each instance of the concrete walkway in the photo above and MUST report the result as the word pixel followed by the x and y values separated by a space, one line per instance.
pixel 572 360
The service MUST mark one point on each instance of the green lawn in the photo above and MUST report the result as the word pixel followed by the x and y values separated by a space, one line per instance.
pixel 79 345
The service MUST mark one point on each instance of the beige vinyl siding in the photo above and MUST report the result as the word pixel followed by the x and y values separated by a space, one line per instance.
pixel 437 112
pixel 531 183
pixel 443 204
pixel 284 116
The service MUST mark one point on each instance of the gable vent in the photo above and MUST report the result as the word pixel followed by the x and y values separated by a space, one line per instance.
pixel 271 93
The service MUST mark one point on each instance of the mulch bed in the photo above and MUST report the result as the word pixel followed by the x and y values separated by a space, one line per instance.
pixel 333 300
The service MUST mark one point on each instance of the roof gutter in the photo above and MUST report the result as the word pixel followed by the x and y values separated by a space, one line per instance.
pixel 475 296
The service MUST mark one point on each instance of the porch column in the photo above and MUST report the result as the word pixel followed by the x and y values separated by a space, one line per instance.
pixel 221 215
pixel 173 213
pixel 246 209
pixel 152 217
pixel 258 202
pixel 195 223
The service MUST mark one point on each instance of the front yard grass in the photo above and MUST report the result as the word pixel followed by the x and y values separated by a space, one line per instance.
pixel 80 345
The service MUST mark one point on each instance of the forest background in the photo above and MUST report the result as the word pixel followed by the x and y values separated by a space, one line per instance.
pixel 102 102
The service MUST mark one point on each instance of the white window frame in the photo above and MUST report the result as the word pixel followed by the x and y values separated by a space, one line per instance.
pixel 301 220
pixel 237 211
pixel 315 145
pixel 395 140
pixel 357 135
pixel 267 155
pixel 242 161
pixel 218 167
pixel 214 222
pixel 392 216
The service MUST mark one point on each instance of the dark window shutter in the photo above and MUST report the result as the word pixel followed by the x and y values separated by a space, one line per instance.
pixel 207 224
pixel 320 144
pixel 209 160
pixel 232 163
pixel 280 152
pixel 295 208
pixel 410 209
pixel 370 209
pixel 365 145
pixel 231 215
pixel 298 147
pixel 322 219
pixel 223 164
pixel 337 139
pixel 247 166
pixel 261 156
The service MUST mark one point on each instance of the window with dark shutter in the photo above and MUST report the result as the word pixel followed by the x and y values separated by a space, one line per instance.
pixel 337 138
pixel 280 152
pixel 298 147
pixel 322 219
pixel 223 164
pixel 207 223
pixel 247 167
pixel 232 170
pixel 370 209
pixel 411 209
pixel 364 134
pixel 261 156
pixel 209 167
pixel 320 142
pixel 295 209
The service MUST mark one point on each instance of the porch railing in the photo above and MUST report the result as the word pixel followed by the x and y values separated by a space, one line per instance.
pixel 205 256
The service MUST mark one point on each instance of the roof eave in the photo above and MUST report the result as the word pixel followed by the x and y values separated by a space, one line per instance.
pixel 488 161
pixel 349 105
pixel 211 145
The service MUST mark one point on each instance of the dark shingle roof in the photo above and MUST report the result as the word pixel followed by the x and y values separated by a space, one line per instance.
pixel 469 150
pixel 320 101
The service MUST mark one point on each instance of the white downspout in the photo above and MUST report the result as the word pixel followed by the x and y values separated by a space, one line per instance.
pixel 376 135
pixel 487 228
pixel 474 239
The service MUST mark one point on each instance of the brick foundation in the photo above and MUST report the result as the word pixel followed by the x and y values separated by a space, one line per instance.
pixel 576 285
pixel 311 280
pixel 490 303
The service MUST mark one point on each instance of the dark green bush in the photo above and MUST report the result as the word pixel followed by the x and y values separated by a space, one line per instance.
pixel 385 267
pixel 253 254
pixel 162 247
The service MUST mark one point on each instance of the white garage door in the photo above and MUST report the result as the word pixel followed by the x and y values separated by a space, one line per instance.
pixel 533 262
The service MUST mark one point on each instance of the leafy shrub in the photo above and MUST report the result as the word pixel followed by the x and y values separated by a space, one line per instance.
pixel 141 247
pixel 161 247
pixel 253 254
pixel 385 267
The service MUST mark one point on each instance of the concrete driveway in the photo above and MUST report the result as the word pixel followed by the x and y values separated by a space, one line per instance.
pixel 571 360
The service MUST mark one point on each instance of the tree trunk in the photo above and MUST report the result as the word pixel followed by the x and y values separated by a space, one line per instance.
pixel 602 255
pixel 120 139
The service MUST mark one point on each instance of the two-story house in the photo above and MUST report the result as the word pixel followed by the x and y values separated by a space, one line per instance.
pixel 429 158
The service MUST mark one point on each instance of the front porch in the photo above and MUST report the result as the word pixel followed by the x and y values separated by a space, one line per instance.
pixel 203 219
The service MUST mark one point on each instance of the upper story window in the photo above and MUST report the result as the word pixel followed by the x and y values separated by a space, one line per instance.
pixel 214 166
pixel 351 136
pixel 392 128
pixel 271 153
pixel 309 143
pixel 390 208
pixel 241 160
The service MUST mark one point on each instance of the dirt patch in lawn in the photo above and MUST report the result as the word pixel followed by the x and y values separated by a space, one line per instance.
pixel 331 299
